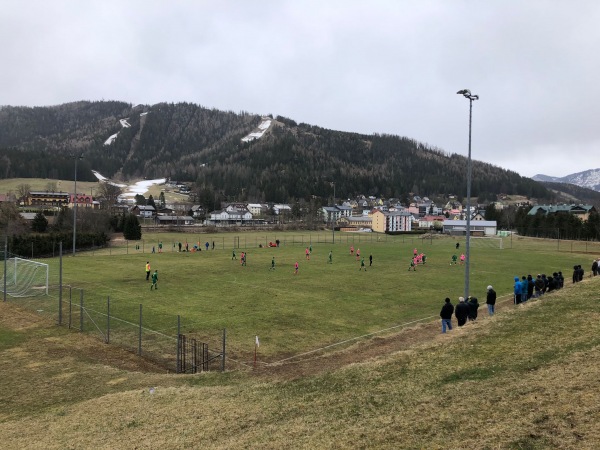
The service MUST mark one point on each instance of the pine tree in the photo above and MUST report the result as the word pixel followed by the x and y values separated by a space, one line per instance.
pixel 39 223
pixel 132 230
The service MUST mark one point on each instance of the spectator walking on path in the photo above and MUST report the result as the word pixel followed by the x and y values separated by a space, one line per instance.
pixel 490 300
pixel 446 315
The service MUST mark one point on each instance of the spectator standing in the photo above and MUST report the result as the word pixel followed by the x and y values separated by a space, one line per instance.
pixel 524 289
pixel 461 312
pixel 473 307
pixel 539 286
pixel 517 291
pixel 490 300
pixel 530 286
pixel 446 315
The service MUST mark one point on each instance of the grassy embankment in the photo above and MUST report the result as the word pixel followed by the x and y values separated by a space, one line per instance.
pixel 526 378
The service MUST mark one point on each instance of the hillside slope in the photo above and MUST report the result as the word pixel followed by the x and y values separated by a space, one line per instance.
pixel 526 378
pixel 188 142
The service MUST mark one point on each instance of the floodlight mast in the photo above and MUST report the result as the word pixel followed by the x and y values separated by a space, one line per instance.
pixel 467 94
pixel 76 158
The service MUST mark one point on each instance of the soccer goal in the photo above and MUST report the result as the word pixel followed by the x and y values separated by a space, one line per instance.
pixel 24 278
pixel 487 242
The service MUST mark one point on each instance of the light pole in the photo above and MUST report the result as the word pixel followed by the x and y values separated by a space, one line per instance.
pixel 77 158
pixel 333 216
pixel 467 94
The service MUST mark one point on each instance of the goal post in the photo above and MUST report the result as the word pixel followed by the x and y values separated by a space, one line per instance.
pixel 487 242
pixel 24 278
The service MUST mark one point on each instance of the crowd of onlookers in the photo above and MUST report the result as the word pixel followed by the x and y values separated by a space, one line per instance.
pixel 524 289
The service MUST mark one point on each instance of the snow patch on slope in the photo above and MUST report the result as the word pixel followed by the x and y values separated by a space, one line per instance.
pixel 262 128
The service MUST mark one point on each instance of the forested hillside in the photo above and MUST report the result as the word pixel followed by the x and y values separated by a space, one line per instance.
pixel 191 143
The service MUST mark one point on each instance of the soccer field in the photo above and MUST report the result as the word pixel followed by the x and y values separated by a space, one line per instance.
pixel 323 304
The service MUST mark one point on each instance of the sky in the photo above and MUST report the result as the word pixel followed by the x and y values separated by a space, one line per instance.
pixel 374 66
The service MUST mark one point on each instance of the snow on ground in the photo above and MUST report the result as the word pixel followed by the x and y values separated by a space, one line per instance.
pixel 124 123
pixel 263 126
pixel 106 180
pixel 131 190
pixel 143 114
pixel 111 139
pixel 141 187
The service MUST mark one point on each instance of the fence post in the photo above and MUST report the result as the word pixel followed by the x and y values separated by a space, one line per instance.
pixel 223 355
pixel 70 305
pixel 108 319
pixel 140 334
pixel 81 310
pixel 178 338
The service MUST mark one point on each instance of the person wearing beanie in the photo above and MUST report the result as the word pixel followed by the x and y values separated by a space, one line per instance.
pixel 517 291
pixel 490 300
pixel 446 315
pixel 461 311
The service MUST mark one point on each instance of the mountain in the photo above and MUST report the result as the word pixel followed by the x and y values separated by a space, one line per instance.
pixel 571 193
pixel 235 156
pixel 589 179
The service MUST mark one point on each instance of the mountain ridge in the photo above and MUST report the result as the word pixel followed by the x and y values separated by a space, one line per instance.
pixel 189 142
pixel 588 178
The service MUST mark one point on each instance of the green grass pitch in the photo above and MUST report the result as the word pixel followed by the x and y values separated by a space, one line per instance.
pixel 325 303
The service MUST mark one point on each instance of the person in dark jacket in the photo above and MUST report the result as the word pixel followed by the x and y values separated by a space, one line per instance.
pixel 581 271
pixel 539 286
pixel 551 284
pixel 595 267
pixel 461 311
pixel 524 289
pixel 473 307
pixel 561 279
pixel 575 274
pixel 530 286
pixel 446 315
pixel 545 280
pixel 556 280
pixel 490 300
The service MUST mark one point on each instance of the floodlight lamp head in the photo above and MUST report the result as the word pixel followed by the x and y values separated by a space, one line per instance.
pixel 464 92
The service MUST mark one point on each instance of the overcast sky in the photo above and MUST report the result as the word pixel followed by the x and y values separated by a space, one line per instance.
pixel 365 66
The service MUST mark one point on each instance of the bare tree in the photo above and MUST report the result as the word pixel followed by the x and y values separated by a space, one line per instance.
pixel 23 190
pixel 51 186
pixel 108 194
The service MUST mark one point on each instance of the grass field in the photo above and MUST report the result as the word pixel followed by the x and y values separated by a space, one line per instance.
pixel 292 314
pixel 528 378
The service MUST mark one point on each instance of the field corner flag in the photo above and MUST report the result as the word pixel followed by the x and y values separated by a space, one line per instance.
pixel 256 345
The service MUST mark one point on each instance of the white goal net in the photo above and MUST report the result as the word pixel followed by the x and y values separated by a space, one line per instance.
pixel 24 278
pixel 487 242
